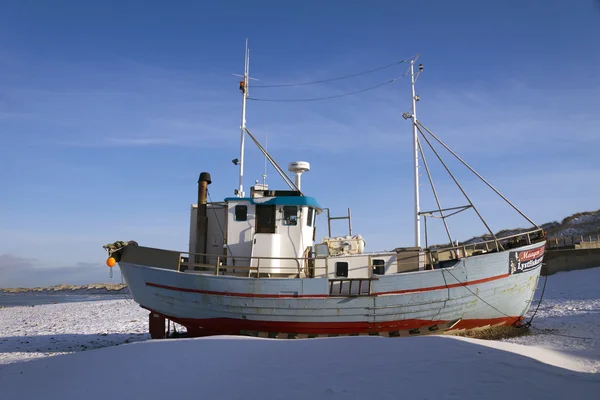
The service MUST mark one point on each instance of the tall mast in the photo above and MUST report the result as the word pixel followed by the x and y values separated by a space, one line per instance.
pixel 417 216
pixel 244 90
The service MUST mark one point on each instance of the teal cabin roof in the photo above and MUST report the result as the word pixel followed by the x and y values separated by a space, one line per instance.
pixel 280 201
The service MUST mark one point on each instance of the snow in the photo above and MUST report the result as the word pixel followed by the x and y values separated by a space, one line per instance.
pixel 328 368
pixel 568 319
pixel 559 359
pixel 36 331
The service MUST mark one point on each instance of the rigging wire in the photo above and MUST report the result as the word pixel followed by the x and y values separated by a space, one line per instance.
pixel 437 200
pixel 287 179
pixel 455 181
pixel 329 79
pixel 326 97
pixel 479 176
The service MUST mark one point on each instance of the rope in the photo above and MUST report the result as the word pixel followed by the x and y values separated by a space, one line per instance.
pixel 567 336
pixel 475 294
pixel 560 334
pixel 528 324
pixel 330 79
pixel 116 246
pixel 326 97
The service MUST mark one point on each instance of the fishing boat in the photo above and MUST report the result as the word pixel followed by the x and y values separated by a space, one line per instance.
pixel 254 267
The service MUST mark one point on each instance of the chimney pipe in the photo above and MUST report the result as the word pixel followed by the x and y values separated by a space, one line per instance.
pixel 202 218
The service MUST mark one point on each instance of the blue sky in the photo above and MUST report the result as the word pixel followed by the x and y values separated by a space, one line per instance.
pixel 110 110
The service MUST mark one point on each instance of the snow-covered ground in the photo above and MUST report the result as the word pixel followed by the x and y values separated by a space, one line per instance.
pixel 568 318
pixel 328 368
pixel 559 359
pixel 44 330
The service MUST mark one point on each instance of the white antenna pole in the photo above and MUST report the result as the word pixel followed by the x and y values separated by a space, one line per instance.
pixel 416 153
pixel 243 125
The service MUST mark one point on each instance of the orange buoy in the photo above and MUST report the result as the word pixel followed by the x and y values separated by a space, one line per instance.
pixel 111 262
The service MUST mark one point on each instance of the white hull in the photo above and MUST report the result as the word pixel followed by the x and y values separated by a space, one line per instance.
pixel 478 291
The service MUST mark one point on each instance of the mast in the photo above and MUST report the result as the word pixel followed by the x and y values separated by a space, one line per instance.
pixel 417 216
pixel 244 90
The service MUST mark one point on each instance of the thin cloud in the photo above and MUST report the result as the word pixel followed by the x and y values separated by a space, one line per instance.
pixel 477 120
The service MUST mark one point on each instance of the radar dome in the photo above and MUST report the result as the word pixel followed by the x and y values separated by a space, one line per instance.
pixel 298 168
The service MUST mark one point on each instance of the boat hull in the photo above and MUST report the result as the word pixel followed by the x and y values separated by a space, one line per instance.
pixel 492 289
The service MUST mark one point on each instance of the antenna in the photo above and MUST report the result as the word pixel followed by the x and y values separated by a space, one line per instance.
pixel 244 90
pixel 414 99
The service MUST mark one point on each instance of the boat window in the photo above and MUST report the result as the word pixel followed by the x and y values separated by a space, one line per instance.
pixel 241 213
pixel 321 250
pixel 309 216
pixel 341 269
pixel 290 215
pixel 265 218
pixel 379 267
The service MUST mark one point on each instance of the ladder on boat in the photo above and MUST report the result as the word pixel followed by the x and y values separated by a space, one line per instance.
pixel 330 218
pixel 348 287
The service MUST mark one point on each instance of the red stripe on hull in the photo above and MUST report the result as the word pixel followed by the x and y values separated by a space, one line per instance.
pixel 234 294
pixel 453 285
pixel 227 326
pixel 320 296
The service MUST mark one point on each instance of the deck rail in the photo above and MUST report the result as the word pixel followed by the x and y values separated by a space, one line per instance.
pixel 305 265
pixel 498 244
pixel 219 267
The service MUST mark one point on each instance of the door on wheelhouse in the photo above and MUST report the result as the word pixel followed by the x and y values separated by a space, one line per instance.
pixel 265 218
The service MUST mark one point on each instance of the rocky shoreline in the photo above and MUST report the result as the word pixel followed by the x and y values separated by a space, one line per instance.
pixel 93 288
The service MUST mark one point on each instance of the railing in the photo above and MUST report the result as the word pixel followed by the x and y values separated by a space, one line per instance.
pixel 217 266
pixel 571 242
pixel 520 239
pixel 589 238
pixel 303 265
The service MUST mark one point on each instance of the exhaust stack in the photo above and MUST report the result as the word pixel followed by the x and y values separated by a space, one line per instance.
pixel 202 218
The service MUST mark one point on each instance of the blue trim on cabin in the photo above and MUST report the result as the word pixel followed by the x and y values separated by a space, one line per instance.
pixel 280 201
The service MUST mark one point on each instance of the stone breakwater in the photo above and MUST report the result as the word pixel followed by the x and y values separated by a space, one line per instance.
pixel 93 288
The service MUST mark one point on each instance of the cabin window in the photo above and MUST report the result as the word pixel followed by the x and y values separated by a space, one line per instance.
pixel 379 267
pixel 241 213
pixel 265 218
pixel 290 215
pixel 321 250
pixel 309 216
pixel 341 269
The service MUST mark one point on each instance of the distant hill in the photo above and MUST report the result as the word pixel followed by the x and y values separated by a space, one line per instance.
pixel 92 288
pixel 579 224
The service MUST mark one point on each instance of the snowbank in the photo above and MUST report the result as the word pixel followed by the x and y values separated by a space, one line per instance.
pixel 327 368
pixel 568 319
